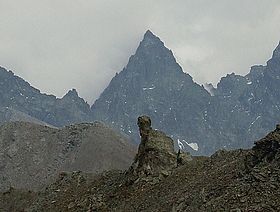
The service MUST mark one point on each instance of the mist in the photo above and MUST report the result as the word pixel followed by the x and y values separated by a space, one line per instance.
pixel 59 45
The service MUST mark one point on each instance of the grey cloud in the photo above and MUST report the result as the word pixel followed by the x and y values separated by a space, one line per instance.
pixel 57 45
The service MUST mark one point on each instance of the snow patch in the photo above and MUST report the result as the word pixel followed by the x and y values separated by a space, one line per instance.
pixel 150 88
pixel 194 146
pixel 249 129
pixel 209 88
pixel 181 145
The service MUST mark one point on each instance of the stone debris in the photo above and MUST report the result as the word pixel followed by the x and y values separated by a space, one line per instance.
pixel 238 180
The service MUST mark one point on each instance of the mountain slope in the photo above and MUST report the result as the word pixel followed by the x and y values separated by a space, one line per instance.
pixel 19 95
pixel 31 155
pixel 10 115
pixel 247 107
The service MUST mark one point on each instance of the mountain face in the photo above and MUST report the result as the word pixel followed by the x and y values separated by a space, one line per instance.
pixel 247 107
pixel 32 155
pixel 240 110
pixel 202 119
pixel 154 84
pixel 17 95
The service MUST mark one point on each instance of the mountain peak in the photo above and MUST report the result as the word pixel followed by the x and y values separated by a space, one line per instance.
pixel 72 93
pixel 151 39
pixel 276 52
pixel 149 33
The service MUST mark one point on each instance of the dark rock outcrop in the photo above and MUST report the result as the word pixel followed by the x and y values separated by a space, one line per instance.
pixel 266 150
pixel 268 147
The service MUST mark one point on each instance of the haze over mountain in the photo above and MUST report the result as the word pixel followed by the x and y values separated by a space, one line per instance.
pixel 240 110
pixel 57 45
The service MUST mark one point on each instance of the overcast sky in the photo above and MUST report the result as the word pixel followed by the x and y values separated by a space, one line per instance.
pixel 64 44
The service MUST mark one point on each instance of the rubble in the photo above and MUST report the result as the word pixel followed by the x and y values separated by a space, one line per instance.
pixel 237 180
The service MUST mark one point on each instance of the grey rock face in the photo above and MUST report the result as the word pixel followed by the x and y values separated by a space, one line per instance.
pixel 32 155
pixel 18 95
pixel 249 105
pixel 240 110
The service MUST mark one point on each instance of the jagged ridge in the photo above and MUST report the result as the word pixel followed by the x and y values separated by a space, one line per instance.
pixel 239 111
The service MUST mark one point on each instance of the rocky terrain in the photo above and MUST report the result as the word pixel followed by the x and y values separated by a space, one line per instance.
pixel 238 180
pixel 32 155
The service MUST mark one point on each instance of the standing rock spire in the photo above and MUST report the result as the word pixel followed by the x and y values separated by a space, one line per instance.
pixel 156 156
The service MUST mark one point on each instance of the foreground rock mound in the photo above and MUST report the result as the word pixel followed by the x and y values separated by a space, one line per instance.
pixel 263 161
